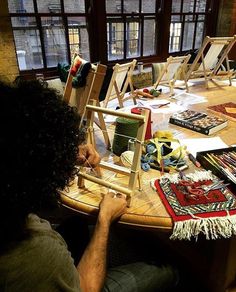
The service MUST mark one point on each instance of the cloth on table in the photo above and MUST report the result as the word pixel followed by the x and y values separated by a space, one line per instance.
pixel 212 214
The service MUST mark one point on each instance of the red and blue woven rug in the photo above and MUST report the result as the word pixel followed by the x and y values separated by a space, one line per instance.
pixel 212 214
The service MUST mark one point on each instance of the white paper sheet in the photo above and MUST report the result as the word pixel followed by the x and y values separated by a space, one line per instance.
pixel 203 144
pixel 185 98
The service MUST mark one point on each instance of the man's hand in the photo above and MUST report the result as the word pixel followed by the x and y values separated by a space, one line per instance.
pixel 112 207
pixel 88 156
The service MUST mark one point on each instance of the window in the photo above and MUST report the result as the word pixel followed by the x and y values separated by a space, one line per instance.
pixel 188 18
pixel 48 32
pixel 130 26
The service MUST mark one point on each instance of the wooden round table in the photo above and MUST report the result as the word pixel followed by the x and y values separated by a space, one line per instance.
pixel 146 209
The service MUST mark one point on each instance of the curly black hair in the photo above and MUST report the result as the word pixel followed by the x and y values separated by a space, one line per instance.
pixel 39 138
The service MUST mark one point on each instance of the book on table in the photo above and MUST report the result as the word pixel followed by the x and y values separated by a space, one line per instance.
pixel 198 122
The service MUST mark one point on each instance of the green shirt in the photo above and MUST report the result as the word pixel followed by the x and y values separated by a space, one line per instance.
pixel 40 263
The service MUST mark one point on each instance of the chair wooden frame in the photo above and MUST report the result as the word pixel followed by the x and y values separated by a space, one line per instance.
pixel 212 54
pixel 121 78
pixel 168 74
pixel 91 91
pixel 133 172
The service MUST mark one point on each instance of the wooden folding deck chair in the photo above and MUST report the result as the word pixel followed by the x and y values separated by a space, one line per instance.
pixel 80 97
pixel 209 60
pixel 168 73
pixel 121 78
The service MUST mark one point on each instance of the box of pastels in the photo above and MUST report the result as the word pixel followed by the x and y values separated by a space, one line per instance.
pixel 222 162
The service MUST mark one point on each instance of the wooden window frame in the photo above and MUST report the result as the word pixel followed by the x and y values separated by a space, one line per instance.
pixel 96 17
pixel 48 71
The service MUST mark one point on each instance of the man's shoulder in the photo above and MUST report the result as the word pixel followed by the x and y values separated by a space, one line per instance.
pixel 43 258
pixel 41 232
pixel 42 243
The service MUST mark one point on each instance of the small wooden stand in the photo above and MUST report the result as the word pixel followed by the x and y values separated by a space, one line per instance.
pixel 134 170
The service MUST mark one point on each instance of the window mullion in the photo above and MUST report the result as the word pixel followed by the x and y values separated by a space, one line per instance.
pixel 62 6
pixel 39 26
pixel 122 6
pixel 195 30
pixel 182 32
pixel 125 37
pixel 182 6
pixel 66 29
pixel 194 6
pixel 141 39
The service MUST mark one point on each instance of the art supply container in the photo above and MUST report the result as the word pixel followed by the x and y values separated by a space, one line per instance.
pixel 140 67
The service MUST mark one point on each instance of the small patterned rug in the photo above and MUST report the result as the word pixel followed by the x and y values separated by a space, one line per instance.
pixel 212 213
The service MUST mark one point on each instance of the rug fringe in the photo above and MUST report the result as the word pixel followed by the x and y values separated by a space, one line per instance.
pixel 212 228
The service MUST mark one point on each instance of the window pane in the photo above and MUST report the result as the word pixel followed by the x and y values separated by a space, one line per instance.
pixel 188 36
pixel 76 6
pixel 54 41
pixel 175 36
pixel 28 49
pixel 115 40
pixel 176 18
pixel 200 5
pixel 149 6
pixel 133 39
pixel 201 17
pixel 199 35
pixel 113 6
pixel 176 6
pixel 23 21
pixel 49 6
pixel 188 5
pixel 78 37
pixel 131 6
pixel 189 18
pixel 149 37
pixel 27 41
pixel 19 6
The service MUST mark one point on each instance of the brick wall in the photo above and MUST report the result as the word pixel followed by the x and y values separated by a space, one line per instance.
pixel 8 61
pixel 227 22
pixel 233 30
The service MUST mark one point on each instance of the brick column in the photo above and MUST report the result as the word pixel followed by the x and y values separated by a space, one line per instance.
pixel 232 54
pixel 8 60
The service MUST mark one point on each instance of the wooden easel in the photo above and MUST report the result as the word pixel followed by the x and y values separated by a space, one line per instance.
pixel 91 91
pixel 134 170
pixel 120 80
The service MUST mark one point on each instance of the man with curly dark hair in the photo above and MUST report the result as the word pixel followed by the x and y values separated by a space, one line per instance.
pixel 40 143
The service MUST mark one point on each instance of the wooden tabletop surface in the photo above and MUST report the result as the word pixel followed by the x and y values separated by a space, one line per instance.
pixel 146 209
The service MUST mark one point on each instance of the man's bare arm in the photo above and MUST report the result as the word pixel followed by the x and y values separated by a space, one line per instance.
pixel 92 266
